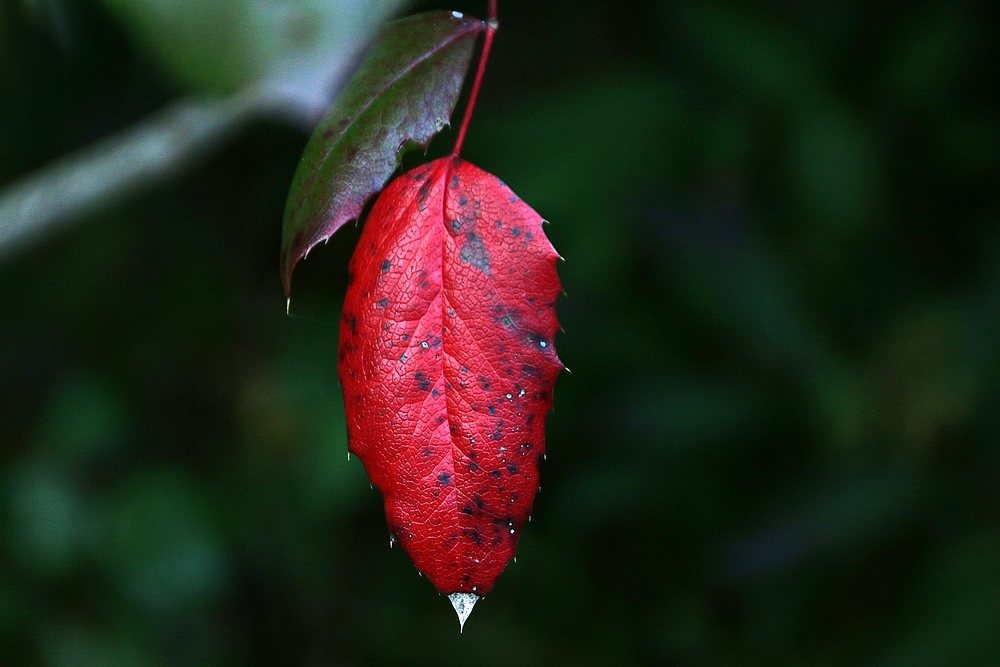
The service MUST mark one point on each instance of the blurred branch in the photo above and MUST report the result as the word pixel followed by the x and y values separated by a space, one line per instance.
pixel 105 173
pixel 298 87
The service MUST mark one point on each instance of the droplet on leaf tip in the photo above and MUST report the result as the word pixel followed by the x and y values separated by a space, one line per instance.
pixel 457 15
pixel 463 604
pixel 288 306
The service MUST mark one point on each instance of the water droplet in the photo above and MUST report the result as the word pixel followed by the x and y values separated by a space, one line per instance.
pixel 457 15
pixel 463 604
pixel 510 397
pixel 424 345
pixel 543 343
pixel 520 393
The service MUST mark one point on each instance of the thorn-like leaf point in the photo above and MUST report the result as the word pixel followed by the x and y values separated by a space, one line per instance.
pixel 463 604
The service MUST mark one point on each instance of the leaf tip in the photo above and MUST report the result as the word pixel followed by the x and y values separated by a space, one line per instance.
pixel 463 604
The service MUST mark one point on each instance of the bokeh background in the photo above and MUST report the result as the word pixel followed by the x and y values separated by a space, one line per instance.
pixel 780 441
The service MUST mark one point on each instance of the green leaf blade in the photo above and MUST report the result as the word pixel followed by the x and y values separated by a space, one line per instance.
pixel 402 95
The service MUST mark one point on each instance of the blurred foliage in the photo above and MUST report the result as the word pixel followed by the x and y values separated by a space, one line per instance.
pixel 222 45
pixel 779 442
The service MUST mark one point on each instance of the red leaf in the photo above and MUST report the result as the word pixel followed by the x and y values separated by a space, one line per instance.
pixel 447 363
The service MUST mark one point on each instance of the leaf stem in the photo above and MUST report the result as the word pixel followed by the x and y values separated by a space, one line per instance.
pixel 491 27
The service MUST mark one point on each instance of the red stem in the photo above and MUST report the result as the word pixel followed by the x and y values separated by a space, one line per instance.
pixel 491 27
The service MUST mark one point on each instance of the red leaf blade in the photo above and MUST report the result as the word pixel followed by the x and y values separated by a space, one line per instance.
pixel 447 362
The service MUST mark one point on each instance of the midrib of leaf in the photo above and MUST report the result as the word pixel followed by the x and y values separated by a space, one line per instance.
pixel 450 165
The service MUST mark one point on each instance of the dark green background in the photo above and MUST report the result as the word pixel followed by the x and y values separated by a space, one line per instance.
pixel 779 441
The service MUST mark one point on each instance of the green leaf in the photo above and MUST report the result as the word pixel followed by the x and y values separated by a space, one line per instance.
pixel 402 95
pixel 222 46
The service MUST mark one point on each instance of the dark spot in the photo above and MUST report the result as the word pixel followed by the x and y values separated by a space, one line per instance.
pixel 527 236
pixel 456 226
pixel 352 323
pixel 328 134
pixel 484 382
pixel 492 410
pixel 386 265
pixel 473 466
pixel 444 478
pixel 424 190
pixel 495 473
pixel 454 181
pixel 440 419
pixel 479 502
pixel 516 231
pixel 467 510
pixel 434 393
pixel 474 535
pixel 350 277
pixel 511 468
pixel 462 201
pixel 531 418
pixel 474 253
pixel 383 303
pixel 513 199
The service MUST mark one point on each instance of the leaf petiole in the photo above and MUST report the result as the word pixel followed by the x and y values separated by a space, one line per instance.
pixel 491 27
